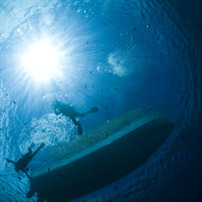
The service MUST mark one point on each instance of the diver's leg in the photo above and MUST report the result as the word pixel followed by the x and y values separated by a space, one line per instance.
pixel 93 110
pixel 77 123
pixel 80 131
pixel 35 152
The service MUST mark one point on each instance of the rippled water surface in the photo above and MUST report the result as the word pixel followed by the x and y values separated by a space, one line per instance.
pixel 119 55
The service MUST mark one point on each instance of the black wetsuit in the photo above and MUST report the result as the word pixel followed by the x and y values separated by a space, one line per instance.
pixel 22 163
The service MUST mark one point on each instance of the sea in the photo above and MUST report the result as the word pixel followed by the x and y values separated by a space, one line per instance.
pixel 115 54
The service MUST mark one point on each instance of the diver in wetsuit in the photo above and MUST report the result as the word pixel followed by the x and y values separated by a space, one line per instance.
pixel 70 111
pixel 22 163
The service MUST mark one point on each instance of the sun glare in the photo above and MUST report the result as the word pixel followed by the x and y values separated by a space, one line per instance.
pixel 42 61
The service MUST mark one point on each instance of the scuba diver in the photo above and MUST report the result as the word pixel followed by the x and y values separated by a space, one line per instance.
pixel 70 111
pixel 22 163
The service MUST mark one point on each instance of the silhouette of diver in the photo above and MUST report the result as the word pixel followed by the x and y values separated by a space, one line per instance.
pixel 22 163
pixel 70 111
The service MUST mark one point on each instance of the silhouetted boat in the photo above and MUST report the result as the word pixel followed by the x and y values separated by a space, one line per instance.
pixel 101 156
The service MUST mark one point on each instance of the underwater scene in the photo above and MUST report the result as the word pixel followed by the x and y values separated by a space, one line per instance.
pixel 100 100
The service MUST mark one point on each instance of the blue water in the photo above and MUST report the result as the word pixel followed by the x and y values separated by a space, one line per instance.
pixel 118 55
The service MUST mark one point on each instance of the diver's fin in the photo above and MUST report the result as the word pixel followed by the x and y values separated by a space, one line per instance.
pixel 80 131
pixel 92 110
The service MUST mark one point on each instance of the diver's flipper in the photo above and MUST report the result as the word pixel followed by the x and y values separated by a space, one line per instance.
pixel 79 129
pixel 92 110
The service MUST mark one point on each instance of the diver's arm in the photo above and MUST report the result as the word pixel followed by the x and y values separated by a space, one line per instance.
pixel 10 161
pixel 77 114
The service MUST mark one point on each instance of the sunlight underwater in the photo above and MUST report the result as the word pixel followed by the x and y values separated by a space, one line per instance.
pixel 118 56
